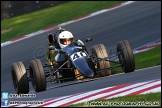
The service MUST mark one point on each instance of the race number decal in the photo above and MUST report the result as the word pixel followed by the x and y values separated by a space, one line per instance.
pixel 77 55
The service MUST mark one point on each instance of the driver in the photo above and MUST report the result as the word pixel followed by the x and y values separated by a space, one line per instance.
pixel 63 39
pixel 55 56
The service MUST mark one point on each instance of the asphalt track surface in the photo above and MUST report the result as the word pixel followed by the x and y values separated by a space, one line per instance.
pixel 139 23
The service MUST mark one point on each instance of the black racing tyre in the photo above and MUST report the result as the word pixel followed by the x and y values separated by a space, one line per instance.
pixel 19 78
pixel 100 52
pixel 126 56
pixel 37 75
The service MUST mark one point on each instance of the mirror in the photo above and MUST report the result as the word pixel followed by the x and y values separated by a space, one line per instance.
pixel 88 39
pixel 50 38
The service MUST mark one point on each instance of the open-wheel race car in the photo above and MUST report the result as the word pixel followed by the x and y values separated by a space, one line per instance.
pixel 76 64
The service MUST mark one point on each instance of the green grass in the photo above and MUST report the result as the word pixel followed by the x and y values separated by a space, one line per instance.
pixel 39 20
pixel 149 58
pixel 145 100
pixel 145 59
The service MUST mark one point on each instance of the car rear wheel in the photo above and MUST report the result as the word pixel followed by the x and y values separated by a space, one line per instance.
pixel 100 52
pixel 19 78
pixel 37 75
pixel 126 56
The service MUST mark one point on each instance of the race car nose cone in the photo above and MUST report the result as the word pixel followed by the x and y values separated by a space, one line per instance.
pixel 88 73
pixel 91 75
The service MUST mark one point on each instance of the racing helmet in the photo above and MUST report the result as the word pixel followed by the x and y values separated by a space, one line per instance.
pixel 65 38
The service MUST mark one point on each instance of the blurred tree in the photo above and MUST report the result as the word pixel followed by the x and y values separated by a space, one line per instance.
pixel 11 9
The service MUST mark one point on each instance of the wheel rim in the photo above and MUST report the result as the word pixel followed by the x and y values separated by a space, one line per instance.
pixel 121 59
pixel 32 78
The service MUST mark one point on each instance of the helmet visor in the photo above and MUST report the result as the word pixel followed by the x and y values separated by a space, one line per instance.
pixel 66 41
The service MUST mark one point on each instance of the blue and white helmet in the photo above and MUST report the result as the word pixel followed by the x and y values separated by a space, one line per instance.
pixel 63 37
